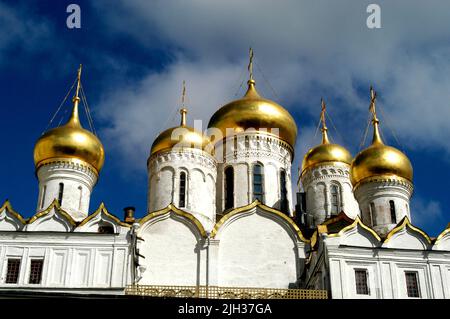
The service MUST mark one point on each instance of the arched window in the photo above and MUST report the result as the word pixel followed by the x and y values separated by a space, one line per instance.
pixel 283 192
pixel 229 187
pixel 393 215
pixel 80 189
pixel 258 189
pixel 247 142
pixel 335 199
pixel 373 214
pixel 60 193
pixel 182 197
pixel 43 196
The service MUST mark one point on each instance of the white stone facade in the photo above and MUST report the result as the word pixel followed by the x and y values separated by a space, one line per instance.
pixel 386 262
pixel 317 183
pixel 75 259
pixel 164 171
pixel 73 180
pixel 242 151
pixel 384 203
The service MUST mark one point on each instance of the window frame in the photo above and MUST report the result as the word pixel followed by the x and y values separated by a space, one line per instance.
pixel 7 271
pixel 417 283
pixel 261 183
pixel 182 190
pixel 358 284
pixel 30 273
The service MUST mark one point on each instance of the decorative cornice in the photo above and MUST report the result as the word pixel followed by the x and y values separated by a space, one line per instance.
pixel 54 204
pixel 252 205
pixel 174 209
pixel 402 225
pixel 69 162
pixel 7 205
pixel 193 155
pixel 389 179
pixel 307 175
pixel 102 210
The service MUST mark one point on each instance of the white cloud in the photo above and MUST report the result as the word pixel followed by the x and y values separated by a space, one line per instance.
pixel 306 50
pixel 426 213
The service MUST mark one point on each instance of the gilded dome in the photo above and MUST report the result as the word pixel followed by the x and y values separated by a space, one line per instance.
pixel 70 141
pixel 254 111
pixel 379 160
pixel 326 153
pixel 181 137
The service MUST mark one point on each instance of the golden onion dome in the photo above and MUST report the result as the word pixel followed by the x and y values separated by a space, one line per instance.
pixel 380 160
pixel 70 142
pixel 181 137
pixel 325 152
pixel 255 112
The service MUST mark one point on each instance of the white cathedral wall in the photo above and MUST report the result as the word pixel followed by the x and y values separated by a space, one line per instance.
pixel 78 181
pixel 380 193
pixel 386 273
pixel 171 250
pixel 317 182
pixel 269 151
pixel 257 251
pixel 73 262
pixel 164 181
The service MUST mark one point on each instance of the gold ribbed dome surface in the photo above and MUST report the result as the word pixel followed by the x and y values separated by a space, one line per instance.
pixel 254 111
pixel 326 153
pixel 181 137
pixel 382 161
pixel 379 160
pixel 70 141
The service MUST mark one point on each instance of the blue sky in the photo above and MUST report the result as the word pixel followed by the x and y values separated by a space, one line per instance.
pixel 137 53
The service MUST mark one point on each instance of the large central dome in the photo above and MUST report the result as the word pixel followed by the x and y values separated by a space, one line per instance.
pixel 254 111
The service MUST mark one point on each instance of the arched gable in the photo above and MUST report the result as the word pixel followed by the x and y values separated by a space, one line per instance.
pixel 176 213
pixel 99 218
pixel 10 220
pixel 172 240
pixel 54 218
pixel 443 240
pixel 258 208
pixel 358 234
pixel 406 236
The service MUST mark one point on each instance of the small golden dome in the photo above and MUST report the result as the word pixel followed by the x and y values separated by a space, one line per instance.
pixel 380 160
pixel 70 142
pixel 253 111
pixel 326 153
pixel 181 137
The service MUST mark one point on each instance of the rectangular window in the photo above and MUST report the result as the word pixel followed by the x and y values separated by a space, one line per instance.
pixel 13 270
pixel 412 284
pixel 36 271
pixel 362 287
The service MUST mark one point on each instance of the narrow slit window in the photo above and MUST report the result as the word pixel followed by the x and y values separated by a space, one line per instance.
pixel 258 189
pixel 182 197
pixel 36 266
pixel 283 192
pixel 393 215
pixel 335 199
pixel 60 193
pixel 229 187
